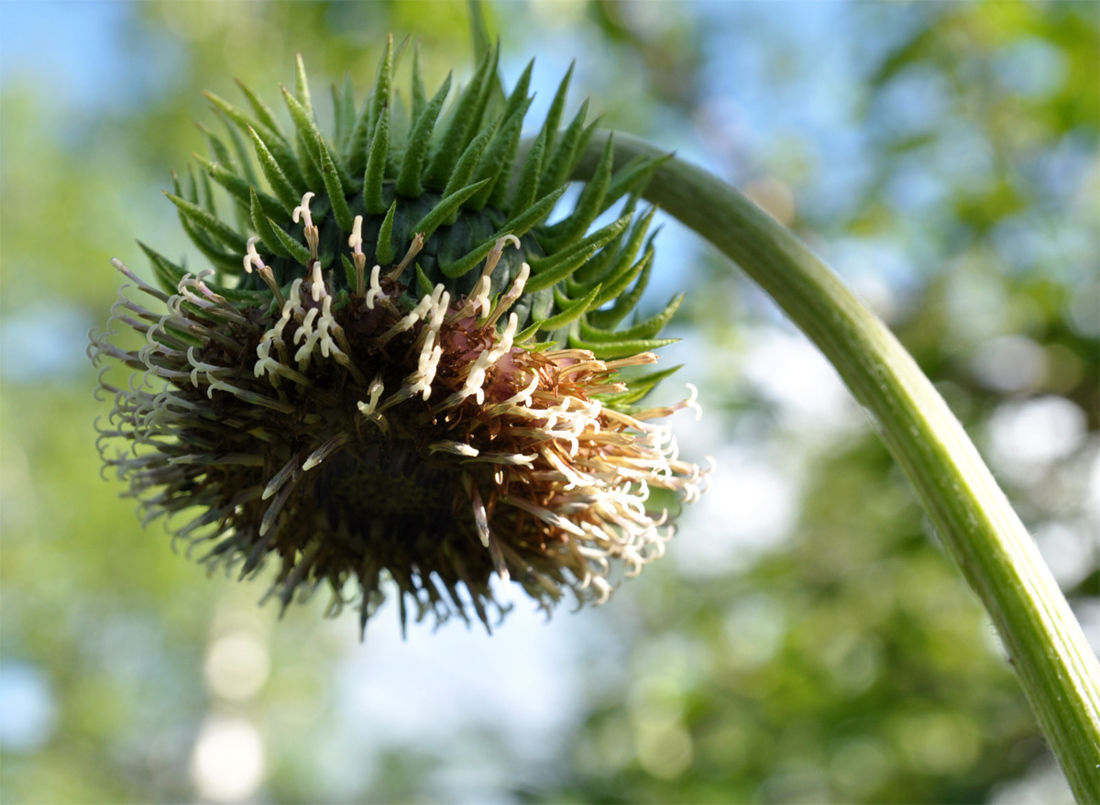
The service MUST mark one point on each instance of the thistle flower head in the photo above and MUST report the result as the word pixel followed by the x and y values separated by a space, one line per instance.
pixel 396 374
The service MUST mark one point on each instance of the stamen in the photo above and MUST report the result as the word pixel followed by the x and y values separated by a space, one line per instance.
pixel 488 358
pixel 355 241
pixel 252 257
pixel 545 515
pixel 454 448
pixel 249 396
pixel 692 402
pixel 481 298
pixel 574 478
pixel 597 556
pixel 208 368
pixel 375 288
pixel 498 249
pixel 635 360
pixel 668 410
pixel 505 459
pixel 302 210
pixel 477 302
pixel 406 322
pixel 514 293
pixel 317 282
pixel 324 451
pixel 311 232
pixel 276 506
pixel 498 558
pixel 305 352
pixel 603 588
pixel 591 367
pixel 480 517
pixel 414 249
pixel 271 366
pixel 305 329
pixel 375 391
pixel 280 478
pixel 225 460
pixel 520 398
pixel 141 284
pixel 295 300
pixel 357 256
pixel 422 378
pixel 441 299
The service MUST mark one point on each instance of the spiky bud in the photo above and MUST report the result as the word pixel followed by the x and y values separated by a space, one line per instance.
pixel 396 369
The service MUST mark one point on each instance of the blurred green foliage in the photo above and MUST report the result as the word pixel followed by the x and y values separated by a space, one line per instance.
pixel 848 663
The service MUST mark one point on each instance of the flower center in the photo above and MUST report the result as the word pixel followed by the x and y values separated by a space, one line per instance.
pixel 385 492
pixel 364 435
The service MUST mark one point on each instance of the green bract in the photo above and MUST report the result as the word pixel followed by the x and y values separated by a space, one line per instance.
pixel 455 177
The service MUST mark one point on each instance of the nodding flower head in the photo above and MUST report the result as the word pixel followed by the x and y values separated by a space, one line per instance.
pixel 397 376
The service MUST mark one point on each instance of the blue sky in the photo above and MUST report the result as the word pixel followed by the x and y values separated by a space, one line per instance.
pixel 72 47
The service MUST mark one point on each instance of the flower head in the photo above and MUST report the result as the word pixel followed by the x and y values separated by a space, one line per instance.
pixel 422 422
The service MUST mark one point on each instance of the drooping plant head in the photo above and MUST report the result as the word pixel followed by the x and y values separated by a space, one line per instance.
pixel 397 373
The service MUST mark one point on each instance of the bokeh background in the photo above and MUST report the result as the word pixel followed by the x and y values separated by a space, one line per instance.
pixel 805 640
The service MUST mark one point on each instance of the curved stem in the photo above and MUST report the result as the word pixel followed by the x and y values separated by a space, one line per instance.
pixel 1057 668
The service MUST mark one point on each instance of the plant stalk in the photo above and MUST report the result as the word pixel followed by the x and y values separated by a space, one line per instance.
pixel 1057 668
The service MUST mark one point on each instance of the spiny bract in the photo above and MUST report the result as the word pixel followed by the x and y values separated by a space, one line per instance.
pixel 396 373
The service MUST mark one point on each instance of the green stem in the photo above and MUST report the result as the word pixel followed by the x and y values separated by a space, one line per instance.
pixel 1057 668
